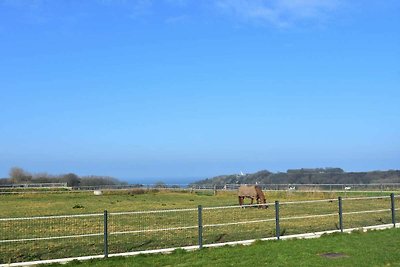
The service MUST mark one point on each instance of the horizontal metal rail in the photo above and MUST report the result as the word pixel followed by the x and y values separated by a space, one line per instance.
pixel 308 216
pixel 365 198
pixel 154 230
pixel 150 211
pixel 308 201
pixel 238 223
pixel 48 238
pixel 364 211
pixel 51 217
pixel 236 206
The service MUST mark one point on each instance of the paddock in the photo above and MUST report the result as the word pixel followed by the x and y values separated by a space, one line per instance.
pixel 73 225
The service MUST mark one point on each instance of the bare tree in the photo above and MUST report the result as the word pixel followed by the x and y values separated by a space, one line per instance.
pixel 71 179
pixel 18 175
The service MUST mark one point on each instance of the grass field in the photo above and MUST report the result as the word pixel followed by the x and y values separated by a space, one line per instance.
pixel 374 248
pixel 143 230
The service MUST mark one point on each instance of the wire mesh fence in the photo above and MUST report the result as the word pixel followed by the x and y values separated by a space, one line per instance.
pixel 356 215
pixel 233 223
pixel 308 216
pixel 142 230
pixel 52 237
pixel 46 237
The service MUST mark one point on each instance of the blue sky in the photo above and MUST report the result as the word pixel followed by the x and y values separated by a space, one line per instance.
pixel 178 89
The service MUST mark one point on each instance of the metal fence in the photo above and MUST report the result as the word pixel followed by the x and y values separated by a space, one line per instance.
pixel 277 187
pixel 53 237
pixel 62 187
pixel 34 185
pixel 322 187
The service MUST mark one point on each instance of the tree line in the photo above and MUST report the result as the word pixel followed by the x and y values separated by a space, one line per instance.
pixel 306 176
pixel 18 175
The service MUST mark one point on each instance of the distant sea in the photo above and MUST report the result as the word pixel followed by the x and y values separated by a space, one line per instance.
pixel 166 180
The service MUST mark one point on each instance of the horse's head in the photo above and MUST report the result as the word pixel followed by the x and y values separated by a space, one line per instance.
pixel 264 203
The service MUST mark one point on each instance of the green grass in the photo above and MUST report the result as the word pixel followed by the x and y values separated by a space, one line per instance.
pixel 29 204
pixel 374 248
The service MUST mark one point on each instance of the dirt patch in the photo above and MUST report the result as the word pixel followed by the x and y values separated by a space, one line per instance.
pixel 220 237
pixel 333 255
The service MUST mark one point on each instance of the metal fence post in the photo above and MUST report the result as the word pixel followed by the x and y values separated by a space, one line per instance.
pixel 277 229
pixel 393 210
pixel 105 234
pixel 200 219
pixel 340 214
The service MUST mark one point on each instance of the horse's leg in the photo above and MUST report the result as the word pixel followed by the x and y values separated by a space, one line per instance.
pixel 264 202
pixel 241 200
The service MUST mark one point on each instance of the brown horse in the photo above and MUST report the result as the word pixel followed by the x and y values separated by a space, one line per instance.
pixel 252 192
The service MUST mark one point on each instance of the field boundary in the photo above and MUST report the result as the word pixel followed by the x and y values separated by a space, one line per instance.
pixel 338 188
pixel 191 248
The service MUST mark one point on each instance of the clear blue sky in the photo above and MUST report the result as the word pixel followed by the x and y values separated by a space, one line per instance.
pixel 175 89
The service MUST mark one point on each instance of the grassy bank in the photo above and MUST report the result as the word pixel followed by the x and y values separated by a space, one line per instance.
pixel 374 248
